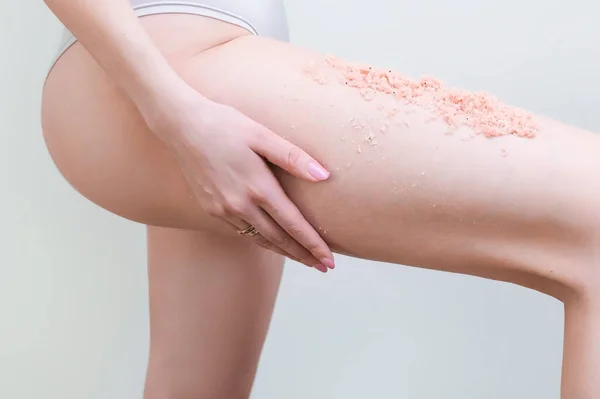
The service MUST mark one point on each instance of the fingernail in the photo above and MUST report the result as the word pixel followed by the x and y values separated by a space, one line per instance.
pixel 317 171
pixel 328 262
pixel 320 267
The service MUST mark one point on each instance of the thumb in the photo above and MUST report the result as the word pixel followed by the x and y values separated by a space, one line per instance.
pixel 289 157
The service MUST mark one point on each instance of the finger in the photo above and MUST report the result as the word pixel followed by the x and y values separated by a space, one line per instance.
pixel 289 157
pixel 261 241
pixel 275 235
pixel 240 225
pixel 288 216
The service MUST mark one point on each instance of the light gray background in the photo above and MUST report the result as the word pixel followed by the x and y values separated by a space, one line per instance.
pixel 73 306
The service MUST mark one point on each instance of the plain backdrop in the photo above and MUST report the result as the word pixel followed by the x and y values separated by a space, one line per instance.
pixel 73 295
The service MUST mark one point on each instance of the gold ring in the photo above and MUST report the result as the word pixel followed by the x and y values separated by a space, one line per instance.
pixel 249 231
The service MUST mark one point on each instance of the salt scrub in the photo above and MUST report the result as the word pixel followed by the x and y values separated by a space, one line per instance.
pixel 482 112
pixel 364 126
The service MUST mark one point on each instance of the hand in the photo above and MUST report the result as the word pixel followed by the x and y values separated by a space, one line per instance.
pixel 220 152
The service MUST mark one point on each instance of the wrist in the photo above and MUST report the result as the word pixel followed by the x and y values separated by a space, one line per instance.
pixel 167 105
pixel 152 83
pixel 156 86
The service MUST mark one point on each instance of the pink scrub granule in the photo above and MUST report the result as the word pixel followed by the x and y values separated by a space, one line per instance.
pixel 482 112
pixel 321 79
pixel 370 138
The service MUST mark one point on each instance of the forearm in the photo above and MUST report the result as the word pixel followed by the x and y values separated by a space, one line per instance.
pixel 109 30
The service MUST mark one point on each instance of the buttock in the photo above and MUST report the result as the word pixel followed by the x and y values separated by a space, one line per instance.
pixel 129 169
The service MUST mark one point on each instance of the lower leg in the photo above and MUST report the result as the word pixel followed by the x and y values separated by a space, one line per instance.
pixel 581 363
pixel 211 300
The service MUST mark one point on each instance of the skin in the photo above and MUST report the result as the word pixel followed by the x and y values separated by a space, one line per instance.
pixel 511 209
pixel 222 174
pixel 211 300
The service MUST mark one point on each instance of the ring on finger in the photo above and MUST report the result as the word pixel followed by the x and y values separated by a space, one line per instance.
pixel 249 231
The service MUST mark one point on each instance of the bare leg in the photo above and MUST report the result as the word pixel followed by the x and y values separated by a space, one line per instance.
pixel 211 300
pixel 510 209
pixel 581 363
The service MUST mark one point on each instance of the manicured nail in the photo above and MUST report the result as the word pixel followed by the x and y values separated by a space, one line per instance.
pixel 328 262
pixel 317 171
pixel 320 268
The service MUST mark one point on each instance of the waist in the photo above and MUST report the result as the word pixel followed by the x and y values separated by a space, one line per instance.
pixel 264 18
pixel 179 27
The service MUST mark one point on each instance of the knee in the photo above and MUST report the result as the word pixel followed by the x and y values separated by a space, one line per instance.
pixel 582 256
pixel 564 255
pixel 590 282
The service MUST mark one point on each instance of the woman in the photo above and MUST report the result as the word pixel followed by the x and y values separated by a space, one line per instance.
pixel 183 119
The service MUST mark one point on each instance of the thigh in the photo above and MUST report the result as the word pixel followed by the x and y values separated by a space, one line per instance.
pixel 414 198
pixel 211 300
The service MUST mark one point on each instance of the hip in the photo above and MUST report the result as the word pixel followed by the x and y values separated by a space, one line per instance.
pixel 192 25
